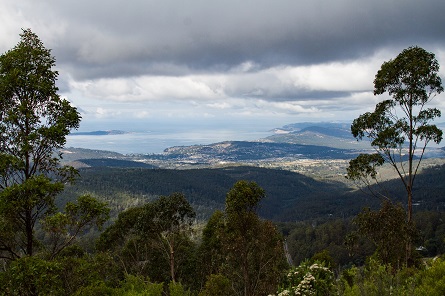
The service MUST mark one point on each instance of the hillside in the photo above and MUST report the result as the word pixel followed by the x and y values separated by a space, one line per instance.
pixel 290 196
pixel 206 189
pixel 334 135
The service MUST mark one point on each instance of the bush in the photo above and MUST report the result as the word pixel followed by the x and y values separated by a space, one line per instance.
pixel 97 289
pixel 217 285
pixel 375 278
pixel 308 279
pixel 31 276
pixel 432 279
pixel 176 289
pixel 138 285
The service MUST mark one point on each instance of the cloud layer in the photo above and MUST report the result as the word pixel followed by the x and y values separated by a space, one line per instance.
pixel 255 59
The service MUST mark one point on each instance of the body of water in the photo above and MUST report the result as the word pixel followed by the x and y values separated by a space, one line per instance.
pixel 149 142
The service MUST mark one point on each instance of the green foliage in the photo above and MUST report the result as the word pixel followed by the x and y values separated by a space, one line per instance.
pixel 63 228
pixel 79 270
pixel 167 223
pixel 99 288
pixel 389 230
pixel 431 226
pixel 341 240
pixel 412 75
pixel 168 214
pixel 176 289
pixel 308 279
pixel 137 285
pixel 72 273
pixel 114 236
pixel 364 165
pixel 412 80
pixel 32 276
pixel 325 258
pixel 131 286
pixel 21 207
pixel 432 280
pixel 311 239
pixel 211 254
pixel 244 197
pixel 375 279
pixel 254 255
pixel 154 239
pixel 34 119
pixel 217 285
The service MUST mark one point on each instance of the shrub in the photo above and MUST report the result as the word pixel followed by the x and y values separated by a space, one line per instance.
pixel 217 285
pixel 432 279
pixel 308 279
pixel 31 276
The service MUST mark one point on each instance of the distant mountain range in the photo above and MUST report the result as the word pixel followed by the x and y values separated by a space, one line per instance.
pixel 335 135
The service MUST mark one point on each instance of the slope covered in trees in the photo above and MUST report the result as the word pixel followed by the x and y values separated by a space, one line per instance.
pixel 289 196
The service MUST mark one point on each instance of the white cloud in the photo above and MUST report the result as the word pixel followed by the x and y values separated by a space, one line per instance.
pixel 292 107
pixel 149 88
pixel 270 84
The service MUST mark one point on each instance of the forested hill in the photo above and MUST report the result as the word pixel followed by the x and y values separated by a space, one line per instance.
pixel 290 196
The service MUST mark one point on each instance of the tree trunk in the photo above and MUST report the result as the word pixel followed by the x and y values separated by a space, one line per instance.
pixel 410 203
pixel 410 159
pixel 409 245
pixel 29 233
pixel 246 276
pixel 409 187
pixel 172 263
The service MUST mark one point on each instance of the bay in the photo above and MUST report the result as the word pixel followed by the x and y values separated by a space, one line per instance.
pixel 155 142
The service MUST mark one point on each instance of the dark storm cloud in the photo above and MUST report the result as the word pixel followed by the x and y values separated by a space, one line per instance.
pixel 112 38
pixel 299 95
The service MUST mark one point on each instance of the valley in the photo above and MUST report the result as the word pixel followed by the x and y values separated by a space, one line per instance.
pixel 302 181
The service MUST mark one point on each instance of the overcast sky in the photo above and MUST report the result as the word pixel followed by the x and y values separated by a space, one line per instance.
pixel 216 63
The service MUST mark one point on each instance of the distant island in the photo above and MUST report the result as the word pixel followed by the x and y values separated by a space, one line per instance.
pixel 99 133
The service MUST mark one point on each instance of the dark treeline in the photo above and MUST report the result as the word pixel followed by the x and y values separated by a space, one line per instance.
pixel 308 238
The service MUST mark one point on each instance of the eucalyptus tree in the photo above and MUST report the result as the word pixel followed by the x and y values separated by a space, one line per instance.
pixel 400 128
pixel 34 123
pixel 153 238
pixel 168 223
pixel 252 247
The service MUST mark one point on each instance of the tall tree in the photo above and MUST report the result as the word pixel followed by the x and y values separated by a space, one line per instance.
pixel 169 219
pixel 34 123
pixel 211 253
pixel 253 248
pixel 400 128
